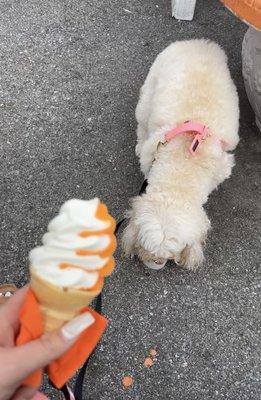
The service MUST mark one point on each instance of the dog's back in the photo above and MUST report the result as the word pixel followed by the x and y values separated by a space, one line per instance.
pixel 190 80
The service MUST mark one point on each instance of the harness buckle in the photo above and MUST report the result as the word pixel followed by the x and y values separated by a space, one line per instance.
pixel 198 139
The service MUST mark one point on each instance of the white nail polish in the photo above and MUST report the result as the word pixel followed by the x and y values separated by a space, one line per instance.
pixel 76 326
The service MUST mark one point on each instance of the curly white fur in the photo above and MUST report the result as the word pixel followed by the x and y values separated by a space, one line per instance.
pixel 189 80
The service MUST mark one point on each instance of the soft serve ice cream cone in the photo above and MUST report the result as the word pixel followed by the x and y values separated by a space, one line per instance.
pixel 68 271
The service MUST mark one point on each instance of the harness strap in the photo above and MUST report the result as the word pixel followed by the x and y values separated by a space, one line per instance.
pixel 197 129
pixel 78 387
pixel 67 392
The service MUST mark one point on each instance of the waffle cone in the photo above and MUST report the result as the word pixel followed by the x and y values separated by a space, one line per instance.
pixel 57 304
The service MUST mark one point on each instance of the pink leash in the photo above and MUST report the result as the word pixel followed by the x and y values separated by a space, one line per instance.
pixel 197 129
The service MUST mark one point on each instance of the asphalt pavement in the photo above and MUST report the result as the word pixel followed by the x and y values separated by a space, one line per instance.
pixel 70 74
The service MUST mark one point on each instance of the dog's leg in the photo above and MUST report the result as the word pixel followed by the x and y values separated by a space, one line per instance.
pixel 224 169
pixel 129 239
pixel 192 256
pixel 141 138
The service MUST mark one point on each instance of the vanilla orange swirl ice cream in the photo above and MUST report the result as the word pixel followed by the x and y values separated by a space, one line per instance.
pixel 68 270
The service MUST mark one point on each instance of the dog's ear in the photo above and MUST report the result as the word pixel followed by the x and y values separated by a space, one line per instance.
pixel 129 238
pixel 192 256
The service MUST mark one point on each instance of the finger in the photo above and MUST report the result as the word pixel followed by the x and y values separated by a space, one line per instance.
pixel 40 396
pixel 10 310
pixel 21 361
pixel 7 335
pixel 9 317
pixel 25 392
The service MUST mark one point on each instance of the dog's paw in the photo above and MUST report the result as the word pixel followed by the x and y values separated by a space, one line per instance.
pixel 192 256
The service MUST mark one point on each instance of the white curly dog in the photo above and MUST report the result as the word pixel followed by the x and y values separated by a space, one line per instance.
pixel 188 119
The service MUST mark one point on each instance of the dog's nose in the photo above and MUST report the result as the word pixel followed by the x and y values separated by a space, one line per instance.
pixel 155 264
pixel 159 261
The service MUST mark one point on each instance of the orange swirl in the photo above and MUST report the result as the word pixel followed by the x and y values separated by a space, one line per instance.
pixel 101 214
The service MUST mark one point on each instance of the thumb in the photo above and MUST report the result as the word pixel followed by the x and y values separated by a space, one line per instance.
pixel 37 354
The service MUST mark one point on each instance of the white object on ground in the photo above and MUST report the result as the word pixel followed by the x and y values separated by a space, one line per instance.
pixel 183 9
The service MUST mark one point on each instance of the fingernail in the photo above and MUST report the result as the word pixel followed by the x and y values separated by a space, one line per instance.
pixel 76 326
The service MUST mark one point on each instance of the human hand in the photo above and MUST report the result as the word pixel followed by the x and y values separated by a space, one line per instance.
pixel 19 362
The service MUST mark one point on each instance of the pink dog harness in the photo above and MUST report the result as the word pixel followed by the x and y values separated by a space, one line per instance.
pixel 199 131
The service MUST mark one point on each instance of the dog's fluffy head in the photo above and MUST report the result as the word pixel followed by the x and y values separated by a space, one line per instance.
pixel 159 230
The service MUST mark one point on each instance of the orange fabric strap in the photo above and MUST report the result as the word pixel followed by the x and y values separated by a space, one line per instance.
pixel 61 370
